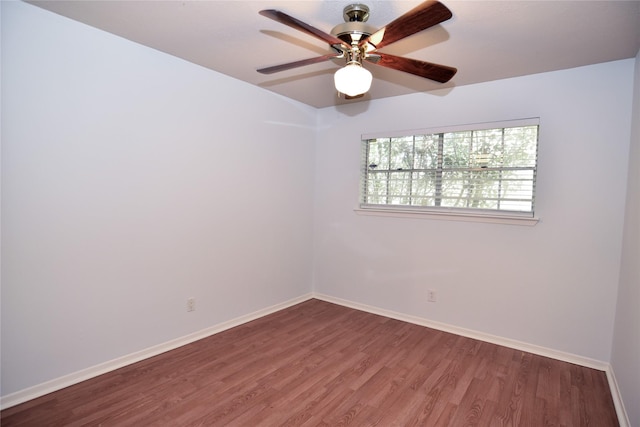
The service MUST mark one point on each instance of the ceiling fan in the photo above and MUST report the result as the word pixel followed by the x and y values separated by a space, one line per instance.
pixel 356 41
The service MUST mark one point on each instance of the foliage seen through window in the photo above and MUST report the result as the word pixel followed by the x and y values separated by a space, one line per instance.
pixel 487 169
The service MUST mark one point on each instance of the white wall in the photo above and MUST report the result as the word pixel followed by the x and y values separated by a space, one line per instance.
pixel 132 180
pixel 553 285
pixel 625 357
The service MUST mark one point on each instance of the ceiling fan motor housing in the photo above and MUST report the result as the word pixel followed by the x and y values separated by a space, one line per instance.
pixel 354 28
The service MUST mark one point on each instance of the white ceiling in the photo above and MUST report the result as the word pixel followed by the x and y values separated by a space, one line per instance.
pixel 485 40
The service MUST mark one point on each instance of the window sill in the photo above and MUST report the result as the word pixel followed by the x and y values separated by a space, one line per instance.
pixel 449 216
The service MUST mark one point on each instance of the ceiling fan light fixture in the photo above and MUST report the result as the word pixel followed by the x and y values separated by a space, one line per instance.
pixel 353 79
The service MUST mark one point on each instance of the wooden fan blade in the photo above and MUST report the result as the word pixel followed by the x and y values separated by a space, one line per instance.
pixel 420 18
pixel 292 22
pixel 282 67
pixel 428 70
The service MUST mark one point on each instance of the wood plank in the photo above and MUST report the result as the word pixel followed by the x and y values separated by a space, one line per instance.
pixel 320 364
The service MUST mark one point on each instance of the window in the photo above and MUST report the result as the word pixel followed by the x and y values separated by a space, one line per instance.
pixel 489 168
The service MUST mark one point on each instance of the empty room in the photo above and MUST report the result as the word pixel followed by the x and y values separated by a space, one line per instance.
pixel 311 213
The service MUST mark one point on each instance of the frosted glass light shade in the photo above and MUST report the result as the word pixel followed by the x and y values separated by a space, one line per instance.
pixel 353 79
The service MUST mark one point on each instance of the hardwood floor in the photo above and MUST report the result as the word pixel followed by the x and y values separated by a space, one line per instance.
pixel 320 364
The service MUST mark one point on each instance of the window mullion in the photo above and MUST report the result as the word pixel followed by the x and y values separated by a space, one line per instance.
pixel 365 184
pixel 413 165
pixel 500 172
pixel 438 189
pixel 471 190
pixel 388 168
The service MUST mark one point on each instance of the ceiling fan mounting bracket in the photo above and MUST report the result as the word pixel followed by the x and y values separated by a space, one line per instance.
pixel 356 13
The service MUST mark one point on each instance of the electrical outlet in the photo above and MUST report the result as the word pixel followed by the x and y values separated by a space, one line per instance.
pixel 432 296
pixel 191 304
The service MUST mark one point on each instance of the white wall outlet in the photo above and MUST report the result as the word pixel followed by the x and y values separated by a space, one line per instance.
pixel 432 296
pixel 191 304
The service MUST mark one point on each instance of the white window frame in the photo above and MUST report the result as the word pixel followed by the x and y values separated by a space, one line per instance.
pixel 446 213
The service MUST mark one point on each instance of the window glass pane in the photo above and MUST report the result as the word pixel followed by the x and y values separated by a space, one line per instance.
pixel 399 188
pixel 518 206
pixel 377 188
pixel 520 146
pixel 486 148
pixel 456 149
pixel 379 153
pixel 401 153
pixel 423 188
pixel 454 189
pixel 426 151
pixel 517 189
pixel 484 190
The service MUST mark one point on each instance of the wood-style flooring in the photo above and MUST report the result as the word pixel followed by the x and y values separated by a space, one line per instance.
pixel 320 364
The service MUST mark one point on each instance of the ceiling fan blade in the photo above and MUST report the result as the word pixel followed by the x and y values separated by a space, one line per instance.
pixel 428 70
pixel 302 63
pixel 420 18
pixel 292 22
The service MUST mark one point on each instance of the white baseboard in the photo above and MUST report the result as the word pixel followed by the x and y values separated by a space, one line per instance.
pixel 111 365
pixel 506 342
pixel 91 372
pixel 623 418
